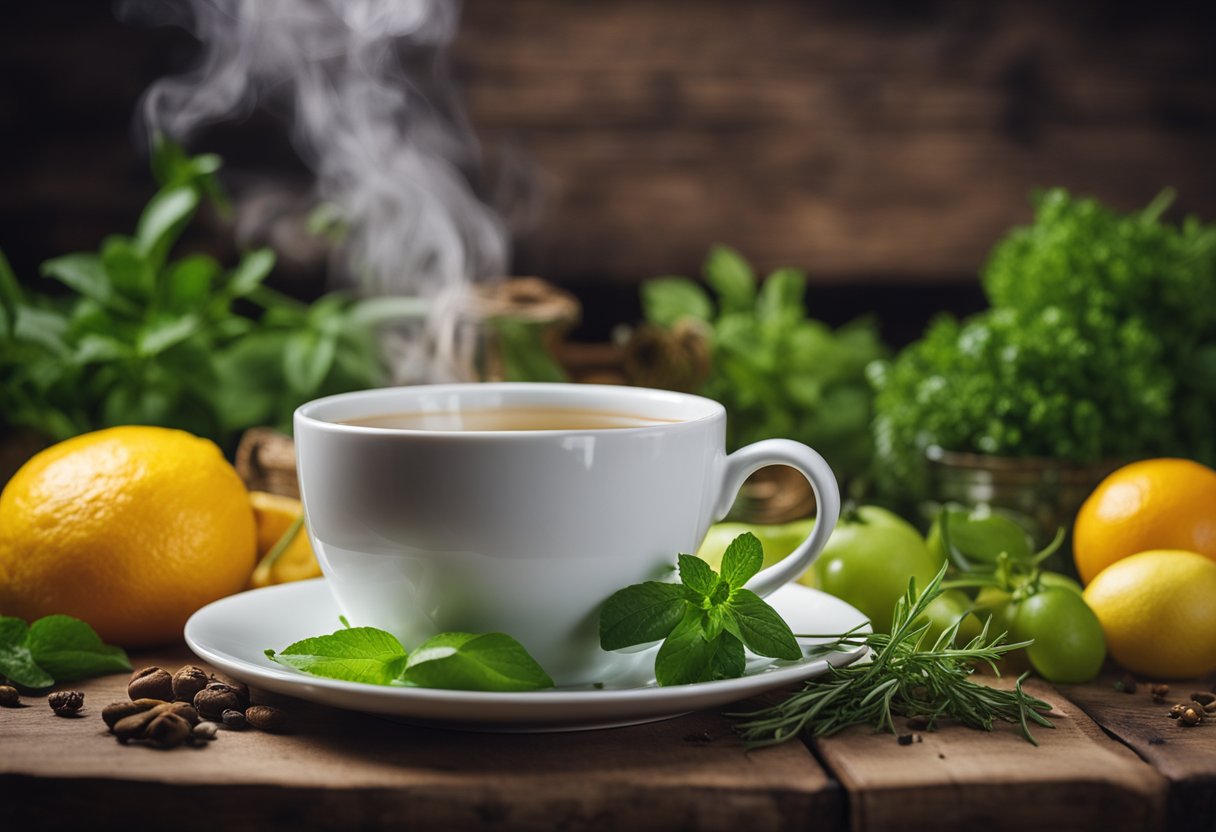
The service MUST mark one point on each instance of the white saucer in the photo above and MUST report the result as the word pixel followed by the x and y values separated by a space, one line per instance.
pixel 233 633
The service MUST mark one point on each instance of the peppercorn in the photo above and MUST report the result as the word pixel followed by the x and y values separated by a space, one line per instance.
pixel 234 719
pixel 9 697
pixel 66 702
pixel 167 730
pixel 187 682
pixel 214 699
pixel 266 718
pixel 151 683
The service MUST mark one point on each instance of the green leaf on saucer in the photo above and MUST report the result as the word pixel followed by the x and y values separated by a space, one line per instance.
pixel 466 661
pixel 358 654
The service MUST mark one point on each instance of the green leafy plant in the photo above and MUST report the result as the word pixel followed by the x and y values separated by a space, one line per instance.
pixel 56 648
pixel 704 621
pixel 1100 344
pixel 778 372
pixel 144 339
pixel 904 677
pixel 456 661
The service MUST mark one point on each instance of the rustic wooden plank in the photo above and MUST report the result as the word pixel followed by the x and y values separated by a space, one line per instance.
pixel 960 779
pixel 1185 756
pixel 346 770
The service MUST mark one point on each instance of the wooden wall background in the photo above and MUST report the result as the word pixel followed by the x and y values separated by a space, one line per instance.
pixel 881 144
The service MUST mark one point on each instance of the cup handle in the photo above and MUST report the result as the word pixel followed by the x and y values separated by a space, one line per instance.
pixel 746 461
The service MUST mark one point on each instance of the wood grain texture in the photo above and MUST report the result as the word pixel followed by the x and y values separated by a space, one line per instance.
pixel 1184 756
pixel 863 141
pixel 960 779
pixel 345 770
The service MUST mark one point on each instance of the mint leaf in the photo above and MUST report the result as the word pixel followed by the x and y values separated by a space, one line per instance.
pixel 687 656
pixel 742 559
pixel 641 613
pixel 16 662
pixel 732 278
pixel 668 300
pixel 698 575
pixel 466 661
pixel 763 631
pixel 359 654
pixel 69 649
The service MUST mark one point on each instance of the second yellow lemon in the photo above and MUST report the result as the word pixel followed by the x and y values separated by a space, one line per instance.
pixel 281 558
pixel 1156 609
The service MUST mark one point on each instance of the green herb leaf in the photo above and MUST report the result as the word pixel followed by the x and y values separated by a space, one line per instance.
pixel 465 661
pixel 732 278
pixel 781 297
pixel 698 576
pixel 163 220
pixel 687 656
pixel 742 560
pixel 85 274
pixel 16 661
pixel 357 654
pixel 763 631
pixel 641 614
pixel 11 296
pixel 69 649
pixel 250 272
pixel 667 300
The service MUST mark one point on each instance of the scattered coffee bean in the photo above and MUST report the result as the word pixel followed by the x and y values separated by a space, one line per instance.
pixel 167 730
pixel 214 699
pixel 1203 698
pixel 205 731
pixel 66 702
pixel 187 682
pixel 151 683
pixel 9 697
pixel 113 713
pixel 1160 691
pixel 266 718
pixel 1176 711
pixel 136 725
pixel 234 719
pixel 904 739
pixel 1190 717
pixel 239 688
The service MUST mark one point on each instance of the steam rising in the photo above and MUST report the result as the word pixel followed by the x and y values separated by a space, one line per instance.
pixel 390 149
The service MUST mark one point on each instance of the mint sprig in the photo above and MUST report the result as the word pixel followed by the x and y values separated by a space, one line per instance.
pixel 455 661
pixel 56 648
pixel 704 621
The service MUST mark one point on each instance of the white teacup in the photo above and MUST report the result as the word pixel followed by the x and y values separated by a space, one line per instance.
pixel 525 532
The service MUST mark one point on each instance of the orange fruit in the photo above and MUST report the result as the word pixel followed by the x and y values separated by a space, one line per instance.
pixel 277 516
pixel 131 529
pixel 1156 609
pixel 1153 504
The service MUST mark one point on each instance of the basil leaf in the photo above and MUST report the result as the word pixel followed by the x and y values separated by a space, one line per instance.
pixel 781 298
pixel 130 272
pixel 666 300
pixel 687 656
pixel 187 282
pixel 160 335
pixel 698 576
pixel 250 272
pixel 732 278
pixel 16 661
pixel 640 614
pixel 742 559
pixel 763 631
pixel 85 274
pixel 163 220
pixel 68 649
pixel 466 661
pixel 358 654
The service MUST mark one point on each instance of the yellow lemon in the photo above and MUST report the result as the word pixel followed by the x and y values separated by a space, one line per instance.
pixel 278 516
pixel 1156 610
pixel 131 529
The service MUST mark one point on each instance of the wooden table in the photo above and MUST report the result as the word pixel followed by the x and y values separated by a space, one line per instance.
pixel 1114 762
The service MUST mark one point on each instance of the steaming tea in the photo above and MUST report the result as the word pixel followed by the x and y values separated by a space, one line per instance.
pixel 509 418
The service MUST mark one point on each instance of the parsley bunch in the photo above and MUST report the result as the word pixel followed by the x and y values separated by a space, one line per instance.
pixel 704 621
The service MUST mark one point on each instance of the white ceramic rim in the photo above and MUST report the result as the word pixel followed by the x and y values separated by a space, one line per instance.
pixel 537 393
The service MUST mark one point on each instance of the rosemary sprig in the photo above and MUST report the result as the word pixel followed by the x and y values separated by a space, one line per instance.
pixel 901 679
